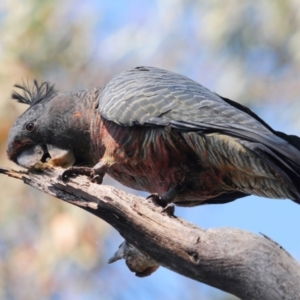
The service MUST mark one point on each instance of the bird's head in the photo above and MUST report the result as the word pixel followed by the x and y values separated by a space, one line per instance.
pixel 44 132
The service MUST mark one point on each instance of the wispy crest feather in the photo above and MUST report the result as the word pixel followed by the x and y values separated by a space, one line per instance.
pixel 35 93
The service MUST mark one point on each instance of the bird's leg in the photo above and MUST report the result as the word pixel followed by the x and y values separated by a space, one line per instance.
pixel 165 201
pixel 99 171
pixel 96 173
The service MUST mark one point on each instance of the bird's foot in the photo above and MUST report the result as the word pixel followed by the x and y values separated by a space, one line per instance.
pixel 169 210
pixel 95 174
pixel 156 200
pixel 165 201
pixel 89 172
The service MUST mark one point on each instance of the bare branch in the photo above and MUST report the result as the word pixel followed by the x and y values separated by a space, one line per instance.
pixel 235 261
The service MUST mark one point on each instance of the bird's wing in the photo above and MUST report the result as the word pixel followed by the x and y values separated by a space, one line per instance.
pixel 147 95
pixel 155 97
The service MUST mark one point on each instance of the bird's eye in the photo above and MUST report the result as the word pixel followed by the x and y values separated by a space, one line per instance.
pixel 29 127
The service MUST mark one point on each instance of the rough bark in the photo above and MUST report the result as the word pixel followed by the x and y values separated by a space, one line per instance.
pixel 238 262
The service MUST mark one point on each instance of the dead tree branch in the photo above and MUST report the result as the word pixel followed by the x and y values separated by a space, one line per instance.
pixel 235 261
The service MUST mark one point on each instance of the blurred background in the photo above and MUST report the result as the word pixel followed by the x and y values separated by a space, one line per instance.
pixel 248 51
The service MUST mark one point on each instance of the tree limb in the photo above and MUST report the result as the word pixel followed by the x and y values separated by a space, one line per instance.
pixel 235 261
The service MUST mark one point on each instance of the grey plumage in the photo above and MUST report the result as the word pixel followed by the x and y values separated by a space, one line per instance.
pixel 160 132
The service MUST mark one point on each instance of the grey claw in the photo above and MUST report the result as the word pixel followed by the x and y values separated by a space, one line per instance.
pixel 169 210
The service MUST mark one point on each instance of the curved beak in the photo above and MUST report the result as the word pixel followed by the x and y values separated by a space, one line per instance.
pixel 29 157
pixel 51 154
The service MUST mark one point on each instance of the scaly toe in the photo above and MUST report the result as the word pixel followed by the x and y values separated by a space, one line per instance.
pixel 97 179
pixel 169 210
pixel 66 175
pixel 156 200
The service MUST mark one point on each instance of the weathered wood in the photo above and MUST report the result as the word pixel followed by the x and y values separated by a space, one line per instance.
pixel 238 262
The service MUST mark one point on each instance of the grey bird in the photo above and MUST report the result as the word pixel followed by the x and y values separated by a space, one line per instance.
pixel 160 132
